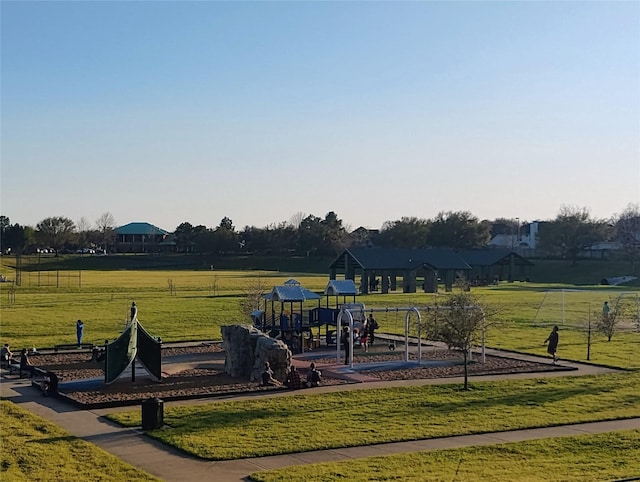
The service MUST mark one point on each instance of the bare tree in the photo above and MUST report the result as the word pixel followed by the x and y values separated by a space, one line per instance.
pixel 83 226
pixel 106 224
pixel 609 319
pixel 459 322
pixel 627 233
pixel 296 219
pixel 253 293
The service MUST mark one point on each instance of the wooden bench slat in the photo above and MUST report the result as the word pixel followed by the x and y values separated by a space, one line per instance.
pixel 74 346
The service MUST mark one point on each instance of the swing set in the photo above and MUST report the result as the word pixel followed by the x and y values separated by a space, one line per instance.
pixel 347 314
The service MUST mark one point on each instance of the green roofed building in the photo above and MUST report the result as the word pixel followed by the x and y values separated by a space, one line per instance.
pixel 139 238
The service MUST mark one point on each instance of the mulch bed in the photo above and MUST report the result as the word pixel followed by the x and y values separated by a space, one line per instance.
pixel 494 365
pixel 211 381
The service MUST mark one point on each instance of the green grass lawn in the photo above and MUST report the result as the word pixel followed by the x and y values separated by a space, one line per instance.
pixel 608 456
pixel 229 430
pixel 204 300
pixel 202 303
pixel 36 450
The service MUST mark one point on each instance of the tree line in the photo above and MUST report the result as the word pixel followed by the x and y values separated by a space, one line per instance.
pixel 565 236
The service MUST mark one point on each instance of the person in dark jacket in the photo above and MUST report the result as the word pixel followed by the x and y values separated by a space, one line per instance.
pixel 293 379
pixel 49 384
pixel 25 363
pixel 553 339
pixel 347 344
pixel 268 377
pixel 313 376
pixel 372 326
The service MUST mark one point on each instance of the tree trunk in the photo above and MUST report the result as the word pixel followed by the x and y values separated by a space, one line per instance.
pixel 466 369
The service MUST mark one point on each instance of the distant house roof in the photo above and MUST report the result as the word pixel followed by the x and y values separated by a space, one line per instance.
pixel 492 257
pixel 341 288
pixel 140 228
pixel 364 230
pixel 395 258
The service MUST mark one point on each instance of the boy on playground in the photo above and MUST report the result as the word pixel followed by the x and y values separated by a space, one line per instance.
pixel 267 376
pixel 6 355
pixel 372 326
pixel 313 376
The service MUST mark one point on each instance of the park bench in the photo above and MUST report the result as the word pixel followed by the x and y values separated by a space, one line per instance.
pixel 14 367
pixel 11 364
pixel 73 346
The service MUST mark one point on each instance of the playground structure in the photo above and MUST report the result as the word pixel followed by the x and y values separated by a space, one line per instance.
pixel 135 343
pixel 297 330
pixel 284 316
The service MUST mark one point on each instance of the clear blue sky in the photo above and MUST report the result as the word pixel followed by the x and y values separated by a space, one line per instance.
pixel 168 112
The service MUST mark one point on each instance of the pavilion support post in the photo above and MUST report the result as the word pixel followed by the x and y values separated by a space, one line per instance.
pixel 385 282
pixel 364 282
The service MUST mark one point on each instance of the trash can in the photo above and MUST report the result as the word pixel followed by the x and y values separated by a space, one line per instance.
pixel 152 413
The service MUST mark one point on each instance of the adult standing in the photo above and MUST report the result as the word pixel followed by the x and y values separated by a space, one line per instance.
pixel 79 332
pixel 134 311
pixel 553 339
pixel 347 344
pixel 6 355
pixel 605 311
pixel 372 326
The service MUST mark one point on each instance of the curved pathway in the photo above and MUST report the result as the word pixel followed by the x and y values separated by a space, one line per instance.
pixel 167 463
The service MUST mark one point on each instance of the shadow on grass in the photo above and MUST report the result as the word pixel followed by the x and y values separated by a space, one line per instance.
pixel 610 393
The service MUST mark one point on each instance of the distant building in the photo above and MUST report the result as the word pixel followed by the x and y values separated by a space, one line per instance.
pixel 600 249
pixel 139 238
pixel 363 237
pixel 524 241
pixel 391 269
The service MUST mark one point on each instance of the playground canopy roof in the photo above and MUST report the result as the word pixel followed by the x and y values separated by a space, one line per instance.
pixel 341 288
pixel 257 314
pixel 291 293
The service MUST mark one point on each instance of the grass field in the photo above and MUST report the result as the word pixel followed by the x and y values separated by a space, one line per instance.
pixel 36 450
pixel 271 426
pixel 610 456
pixel 201 303
pixel 585 272
pixel 204 300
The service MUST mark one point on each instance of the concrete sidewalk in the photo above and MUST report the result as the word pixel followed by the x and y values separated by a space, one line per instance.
pixel 132 446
